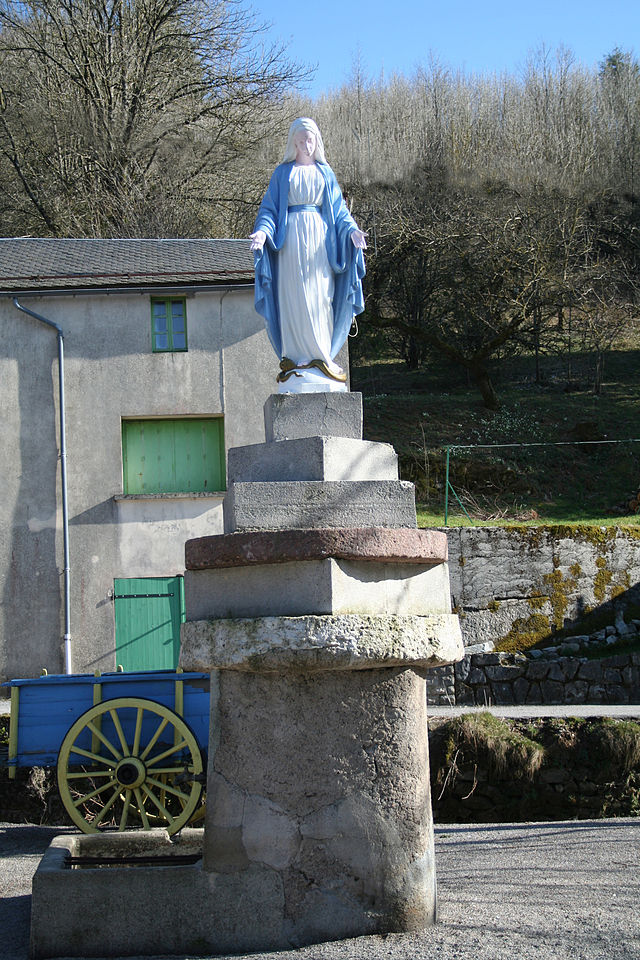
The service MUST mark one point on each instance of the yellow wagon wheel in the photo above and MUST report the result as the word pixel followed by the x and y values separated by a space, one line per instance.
pixel 129 763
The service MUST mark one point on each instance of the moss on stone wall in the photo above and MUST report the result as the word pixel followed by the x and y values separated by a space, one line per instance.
pixel 559 586
pixel 565 592
pixel 525 633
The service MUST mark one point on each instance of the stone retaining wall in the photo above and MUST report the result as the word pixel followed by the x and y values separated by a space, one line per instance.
pixel 515 586
pixel 505 679
pixel 585 771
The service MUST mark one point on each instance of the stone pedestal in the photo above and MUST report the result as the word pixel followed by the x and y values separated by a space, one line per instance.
pixel 323 780
pixel 318 613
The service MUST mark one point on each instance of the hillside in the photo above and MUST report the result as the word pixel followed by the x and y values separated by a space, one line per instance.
pixel 421 412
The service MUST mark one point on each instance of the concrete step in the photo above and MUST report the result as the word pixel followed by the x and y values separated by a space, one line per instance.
pixel 312 503
pixel 312 458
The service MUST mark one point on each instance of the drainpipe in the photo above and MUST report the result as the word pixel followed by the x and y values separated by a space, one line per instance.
pixel 63 468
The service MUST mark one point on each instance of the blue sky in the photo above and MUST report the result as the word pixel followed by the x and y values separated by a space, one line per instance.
pixel 396 37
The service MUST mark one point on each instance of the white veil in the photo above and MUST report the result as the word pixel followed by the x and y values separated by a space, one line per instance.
pixel 304 123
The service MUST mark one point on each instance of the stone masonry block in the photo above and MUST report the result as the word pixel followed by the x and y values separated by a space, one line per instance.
pixel 327 586
pixel 320 644
pixel 405 545
pixel 313 503
pixel 291 416
pixel 313 458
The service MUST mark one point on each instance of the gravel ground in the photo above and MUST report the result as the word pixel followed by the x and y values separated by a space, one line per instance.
pixel 539 891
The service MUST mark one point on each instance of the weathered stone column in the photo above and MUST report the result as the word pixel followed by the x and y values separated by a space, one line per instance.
pixel 317 614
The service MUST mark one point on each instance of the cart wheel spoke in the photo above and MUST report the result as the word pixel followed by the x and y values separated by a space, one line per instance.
pixel 167 753
pixel 125 811
pixel 125 780
pixel 123 743
pixel 94 793
pixel 150 781
pixel 101 737
pixel 141 810
pixel 93 756
pixel 94 774
pixel 98 820
pixel 183 768
pixel 154 739
pixel 163 810
pixel 138 731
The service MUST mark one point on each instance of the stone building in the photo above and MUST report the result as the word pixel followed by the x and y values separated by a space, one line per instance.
pixel 166 365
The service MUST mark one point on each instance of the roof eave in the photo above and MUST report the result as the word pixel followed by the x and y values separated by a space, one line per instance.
pixel 68 291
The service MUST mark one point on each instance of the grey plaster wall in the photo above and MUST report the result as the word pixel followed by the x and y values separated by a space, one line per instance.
pixel 111 373
pixel 522 584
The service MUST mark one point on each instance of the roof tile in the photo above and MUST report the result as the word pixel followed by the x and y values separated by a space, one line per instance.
pixel 28 263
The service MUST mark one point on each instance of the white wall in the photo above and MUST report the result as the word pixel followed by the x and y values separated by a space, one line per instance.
pixel 110 373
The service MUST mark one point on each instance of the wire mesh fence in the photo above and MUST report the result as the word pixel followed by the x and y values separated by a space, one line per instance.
pixel 549 481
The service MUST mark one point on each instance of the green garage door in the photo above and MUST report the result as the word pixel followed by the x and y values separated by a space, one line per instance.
pixel 148 613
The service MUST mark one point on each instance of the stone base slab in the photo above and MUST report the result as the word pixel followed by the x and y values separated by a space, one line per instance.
pixel 291 416
pixel 149 910
pixel 313 458
pixel 314 503
pixel 326 586
pixel 313 643
pixel 281 546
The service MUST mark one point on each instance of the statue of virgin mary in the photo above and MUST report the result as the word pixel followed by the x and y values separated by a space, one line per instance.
pixel 309 265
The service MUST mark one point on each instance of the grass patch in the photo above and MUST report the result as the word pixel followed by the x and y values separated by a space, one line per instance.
pixel 618 743
pixel 502 747
pixel 486 769
pixel 422 412
pixel 428 517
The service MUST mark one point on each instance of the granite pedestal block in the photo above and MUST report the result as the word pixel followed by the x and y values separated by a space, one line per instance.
pixel 289 417
pixel 310 503
pixel 313 458
pixel 321 586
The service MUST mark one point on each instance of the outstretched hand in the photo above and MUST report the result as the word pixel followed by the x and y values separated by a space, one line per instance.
pixel 358 239
pixel 257 239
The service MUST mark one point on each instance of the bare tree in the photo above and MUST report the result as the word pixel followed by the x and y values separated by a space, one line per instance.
pixel 121 114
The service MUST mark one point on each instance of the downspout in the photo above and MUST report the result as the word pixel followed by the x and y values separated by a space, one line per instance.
pixel 63 470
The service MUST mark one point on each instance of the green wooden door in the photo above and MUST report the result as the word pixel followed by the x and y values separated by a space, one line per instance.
pixel 148 612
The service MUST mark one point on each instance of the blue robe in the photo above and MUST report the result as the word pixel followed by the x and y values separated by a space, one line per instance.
pixel 345 260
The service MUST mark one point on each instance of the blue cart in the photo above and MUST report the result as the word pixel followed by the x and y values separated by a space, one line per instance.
pixel 130 748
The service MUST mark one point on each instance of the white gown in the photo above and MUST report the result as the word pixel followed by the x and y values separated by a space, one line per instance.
pixel 305 278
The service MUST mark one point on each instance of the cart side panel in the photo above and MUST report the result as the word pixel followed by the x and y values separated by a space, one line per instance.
pixel 48 706
pixel 161 688
pixel 196 709
pixel 46 711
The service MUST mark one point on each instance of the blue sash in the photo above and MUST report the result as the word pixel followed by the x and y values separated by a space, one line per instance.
pixel 311 207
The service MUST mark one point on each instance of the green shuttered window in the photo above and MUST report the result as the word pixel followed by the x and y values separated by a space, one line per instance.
pixel 168 324
pixel 173 456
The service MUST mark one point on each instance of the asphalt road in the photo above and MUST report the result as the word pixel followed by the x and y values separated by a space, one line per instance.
pixel 541 891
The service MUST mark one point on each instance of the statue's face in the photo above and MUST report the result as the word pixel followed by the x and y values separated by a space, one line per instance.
pixel 305 144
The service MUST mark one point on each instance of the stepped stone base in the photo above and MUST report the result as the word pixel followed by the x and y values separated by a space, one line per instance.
pixel 313 458
pixel 288 417
pixel 318 818
pixel 318 587
pixel 283 506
